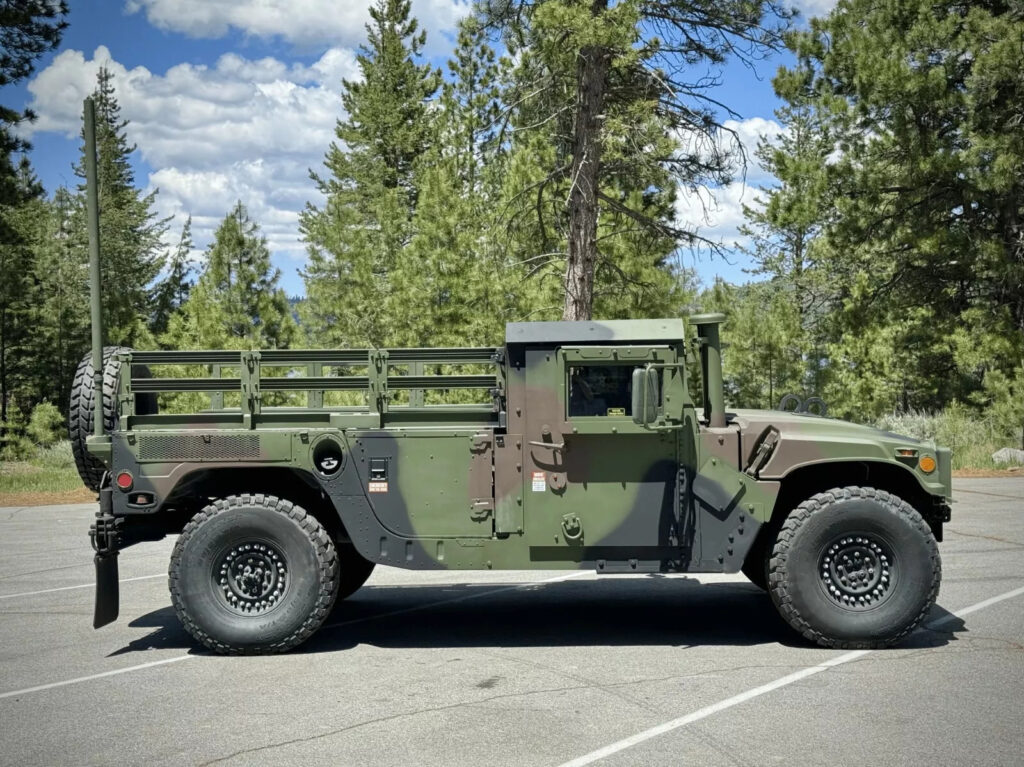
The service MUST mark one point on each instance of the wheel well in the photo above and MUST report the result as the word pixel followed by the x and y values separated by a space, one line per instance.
pixel 800 484
pixel 299 487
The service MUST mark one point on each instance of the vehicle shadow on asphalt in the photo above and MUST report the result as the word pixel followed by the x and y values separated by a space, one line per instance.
pixel 614 612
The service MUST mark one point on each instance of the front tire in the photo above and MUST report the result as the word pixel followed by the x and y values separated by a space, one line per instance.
pixel 854 568
pixel 253 574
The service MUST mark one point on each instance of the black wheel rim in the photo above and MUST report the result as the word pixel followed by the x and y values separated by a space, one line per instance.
pixel 858 571
pixel 251 577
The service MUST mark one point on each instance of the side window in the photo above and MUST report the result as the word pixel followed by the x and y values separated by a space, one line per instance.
pixel 601 390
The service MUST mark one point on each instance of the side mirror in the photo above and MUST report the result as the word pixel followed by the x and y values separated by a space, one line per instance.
pixel 645 395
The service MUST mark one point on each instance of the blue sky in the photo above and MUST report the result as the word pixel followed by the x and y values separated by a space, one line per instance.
pixel 237 99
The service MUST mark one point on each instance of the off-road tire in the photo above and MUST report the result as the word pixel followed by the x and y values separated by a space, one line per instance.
pixel 862 525
pixel 355 571
pixel 84 401
pixel 202 575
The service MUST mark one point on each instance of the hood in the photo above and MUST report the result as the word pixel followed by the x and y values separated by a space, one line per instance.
pixel 815 425
pixel 806 439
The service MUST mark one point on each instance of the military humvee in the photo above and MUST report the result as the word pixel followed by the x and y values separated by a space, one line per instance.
pixel 588 451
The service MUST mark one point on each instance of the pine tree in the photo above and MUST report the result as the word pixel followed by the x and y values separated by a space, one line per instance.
pixel 20 228
pixel 28 29
pixel 131 235
pixel 59 295
pixel 356 238
pixel 765 342
pixel 788 217
pixel 236 302
pixel 632 271
pixel 925 249
pixel 439 286
pixel 785 224
pixel 596 71
pixel 443 287
pixel 172 291
pixel 470 106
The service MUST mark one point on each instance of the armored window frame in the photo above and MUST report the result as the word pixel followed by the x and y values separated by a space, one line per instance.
pixel 599 391
pixel 626 357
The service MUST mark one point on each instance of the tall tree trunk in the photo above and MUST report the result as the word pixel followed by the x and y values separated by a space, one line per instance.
pixel 591 77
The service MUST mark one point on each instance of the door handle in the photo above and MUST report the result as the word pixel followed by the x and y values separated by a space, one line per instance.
pixel 548 445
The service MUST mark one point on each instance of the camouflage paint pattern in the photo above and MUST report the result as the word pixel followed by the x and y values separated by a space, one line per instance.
pixel 525 482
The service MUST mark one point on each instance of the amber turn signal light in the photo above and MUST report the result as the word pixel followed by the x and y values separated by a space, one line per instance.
pixel 927 464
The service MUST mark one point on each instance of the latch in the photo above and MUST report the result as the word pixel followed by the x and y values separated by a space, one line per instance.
pixel 545 432
pixel 481 510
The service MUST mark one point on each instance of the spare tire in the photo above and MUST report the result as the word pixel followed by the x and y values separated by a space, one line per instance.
pixel 84 402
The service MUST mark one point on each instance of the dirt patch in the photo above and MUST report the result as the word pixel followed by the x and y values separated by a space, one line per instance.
pixel 1013 471
pixel 81 495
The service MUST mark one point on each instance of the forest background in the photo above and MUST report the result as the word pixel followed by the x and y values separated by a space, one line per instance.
pixel 536 177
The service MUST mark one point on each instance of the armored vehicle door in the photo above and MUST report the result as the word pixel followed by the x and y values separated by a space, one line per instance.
pixel 599 488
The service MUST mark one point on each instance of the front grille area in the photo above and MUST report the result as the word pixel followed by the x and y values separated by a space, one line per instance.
pixel 198 447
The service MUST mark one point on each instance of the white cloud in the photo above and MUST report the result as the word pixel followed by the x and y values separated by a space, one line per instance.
pixel 809 8
pixel 250 130
pixel 242 129
pixel 733 136
pixel 301 22
pixel 749 133
pixel 716 214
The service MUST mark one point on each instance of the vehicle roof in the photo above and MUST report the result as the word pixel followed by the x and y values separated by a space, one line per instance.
pixel 668 330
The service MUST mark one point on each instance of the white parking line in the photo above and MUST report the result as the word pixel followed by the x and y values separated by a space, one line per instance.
pixel 115 672
pixel 79 586
pixel 743 697
pixel 66 682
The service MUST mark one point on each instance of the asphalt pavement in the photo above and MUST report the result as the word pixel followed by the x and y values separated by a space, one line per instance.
pixel 531 668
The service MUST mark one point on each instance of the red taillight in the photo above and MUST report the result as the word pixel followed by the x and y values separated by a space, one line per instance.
pixel 124 481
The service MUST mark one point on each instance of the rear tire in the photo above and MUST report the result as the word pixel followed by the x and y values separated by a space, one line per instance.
pixel 253 574
pixel 84 401
pixel 854 568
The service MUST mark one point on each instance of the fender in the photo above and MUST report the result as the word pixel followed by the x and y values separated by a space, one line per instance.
pixel 806 439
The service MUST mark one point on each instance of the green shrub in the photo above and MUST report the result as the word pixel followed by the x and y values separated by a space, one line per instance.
pixel 1004 404
pixel 47 470
pixel 57 456
pixel 972 436
pixel 46 425
pixel 14 446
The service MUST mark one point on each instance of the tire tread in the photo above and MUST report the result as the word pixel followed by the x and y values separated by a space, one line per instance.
pixel 798 517
pixel 327 571
pixel 82 406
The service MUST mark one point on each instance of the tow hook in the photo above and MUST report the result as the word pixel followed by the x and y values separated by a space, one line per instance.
pixel 105 535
